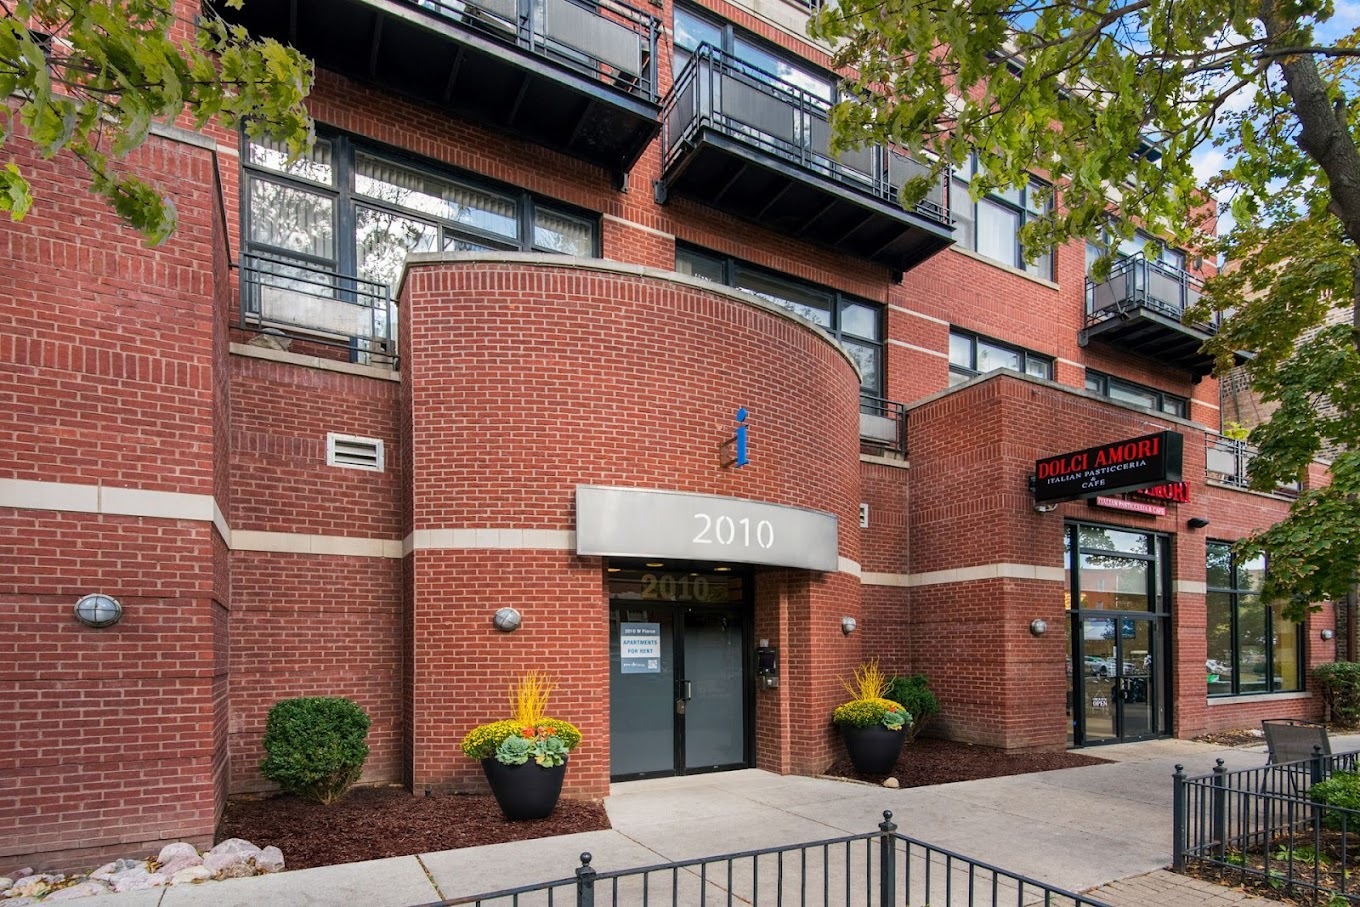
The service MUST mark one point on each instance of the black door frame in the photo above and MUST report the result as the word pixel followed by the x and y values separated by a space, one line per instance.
pixel 743 610
pixel 1161 673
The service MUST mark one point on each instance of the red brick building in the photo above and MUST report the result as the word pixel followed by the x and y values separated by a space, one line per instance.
pixel 489 347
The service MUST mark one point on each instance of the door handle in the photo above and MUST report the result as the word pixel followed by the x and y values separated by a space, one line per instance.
pixel 686 690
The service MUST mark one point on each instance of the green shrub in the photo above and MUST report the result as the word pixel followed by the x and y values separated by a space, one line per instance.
pixel 1340 685
pixel 315 746
pixel 913 693
pixel 1343 790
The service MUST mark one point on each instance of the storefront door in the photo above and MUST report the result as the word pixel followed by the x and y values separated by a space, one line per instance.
pixel 1118 659
pixel 678 686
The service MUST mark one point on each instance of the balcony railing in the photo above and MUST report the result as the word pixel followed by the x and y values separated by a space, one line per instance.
pixel 718 90
pixel 1228 462
pixel 605 39
pixel 882 425
pixel 577 77
pixel 1141 307
pixel 306 302
pixel 743 140
pixel 1137 282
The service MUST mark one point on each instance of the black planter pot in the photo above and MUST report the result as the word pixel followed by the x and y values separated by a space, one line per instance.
pixel 873 750
pixel 527 791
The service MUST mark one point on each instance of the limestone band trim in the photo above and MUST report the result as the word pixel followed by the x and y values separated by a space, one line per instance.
pixel 66 497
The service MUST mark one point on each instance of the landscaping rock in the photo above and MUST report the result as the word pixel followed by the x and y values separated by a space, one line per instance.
pixel 231 859
pixel 32 886
pixel 86 889
pixel 21 902
pixel 891 783
pixel 109 870
pixel 199 873
pixel 170 867
pixel 138 879
pixel 270 860
pixel 5 884
pixel 180 850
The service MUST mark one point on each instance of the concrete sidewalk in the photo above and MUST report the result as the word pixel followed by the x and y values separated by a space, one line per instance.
pixel 1101 828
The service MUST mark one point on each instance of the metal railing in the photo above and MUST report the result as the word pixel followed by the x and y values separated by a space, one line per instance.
pixel 877 868
pixel 605 39
pixel 305 301
pixel 1135 282
pixel 1259 825
pixel 1228 462
pixel 719 91
pixel 883 424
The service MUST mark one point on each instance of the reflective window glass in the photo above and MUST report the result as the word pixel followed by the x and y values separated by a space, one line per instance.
pixel 990 356
pixel 860 320
pixel 382 240
pixel 555 232
pixel 315 167
pixel 1104 538
pixel 284 217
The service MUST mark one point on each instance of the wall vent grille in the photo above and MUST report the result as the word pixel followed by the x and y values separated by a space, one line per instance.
pixel 353 452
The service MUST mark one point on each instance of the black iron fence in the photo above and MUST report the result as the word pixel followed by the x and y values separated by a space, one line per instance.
pixel 1259 826
pixel 718 91
pixel 309 302
pixel 877 868
pixel 606 39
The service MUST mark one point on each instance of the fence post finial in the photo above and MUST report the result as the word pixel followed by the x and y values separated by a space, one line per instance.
pixel 585 882
pixel 887 860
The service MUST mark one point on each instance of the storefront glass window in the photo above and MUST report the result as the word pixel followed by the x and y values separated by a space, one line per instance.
pixel 1251 648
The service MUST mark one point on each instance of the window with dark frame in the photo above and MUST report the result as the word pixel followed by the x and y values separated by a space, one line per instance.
pixel 354 210
pixel 972 354
pixel 1252 648
pixel 991 225
pixel 1148 398
pixel 856 323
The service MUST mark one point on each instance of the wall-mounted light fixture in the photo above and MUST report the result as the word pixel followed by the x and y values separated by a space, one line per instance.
pixel 98 610
pixel 1038 626
pixel 848 625
pixel 1327 634
pixel 1197 522
pixel 507 620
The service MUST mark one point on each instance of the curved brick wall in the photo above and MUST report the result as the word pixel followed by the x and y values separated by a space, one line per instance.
pixel 525 376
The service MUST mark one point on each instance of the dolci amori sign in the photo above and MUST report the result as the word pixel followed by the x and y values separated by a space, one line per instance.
pixel 1130 465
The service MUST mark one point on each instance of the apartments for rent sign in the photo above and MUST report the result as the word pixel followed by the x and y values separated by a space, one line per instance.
pixel 1130 465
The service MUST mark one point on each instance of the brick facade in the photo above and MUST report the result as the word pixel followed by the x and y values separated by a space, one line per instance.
pixel 162 454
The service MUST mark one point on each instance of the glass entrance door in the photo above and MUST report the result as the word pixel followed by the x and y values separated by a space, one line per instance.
pixel 1117 603
pixel 678 680
pixel 1119 686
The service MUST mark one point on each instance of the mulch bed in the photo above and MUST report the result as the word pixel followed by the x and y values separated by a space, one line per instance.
pixel 374 822
pixel 1268 879
pixel 926 761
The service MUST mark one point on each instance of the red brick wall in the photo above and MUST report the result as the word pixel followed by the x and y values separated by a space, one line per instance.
pixel 107 358
pixel 525 380
pixel 971 453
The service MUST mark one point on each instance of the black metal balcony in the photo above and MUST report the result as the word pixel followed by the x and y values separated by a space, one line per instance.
pixel 290 298
pixel 882 425
pixel 579 78
pixel 1228 462
pixel 1141 308
pixel 745 142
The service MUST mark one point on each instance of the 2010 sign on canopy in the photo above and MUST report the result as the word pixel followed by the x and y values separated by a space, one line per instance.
pixel 1111 468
